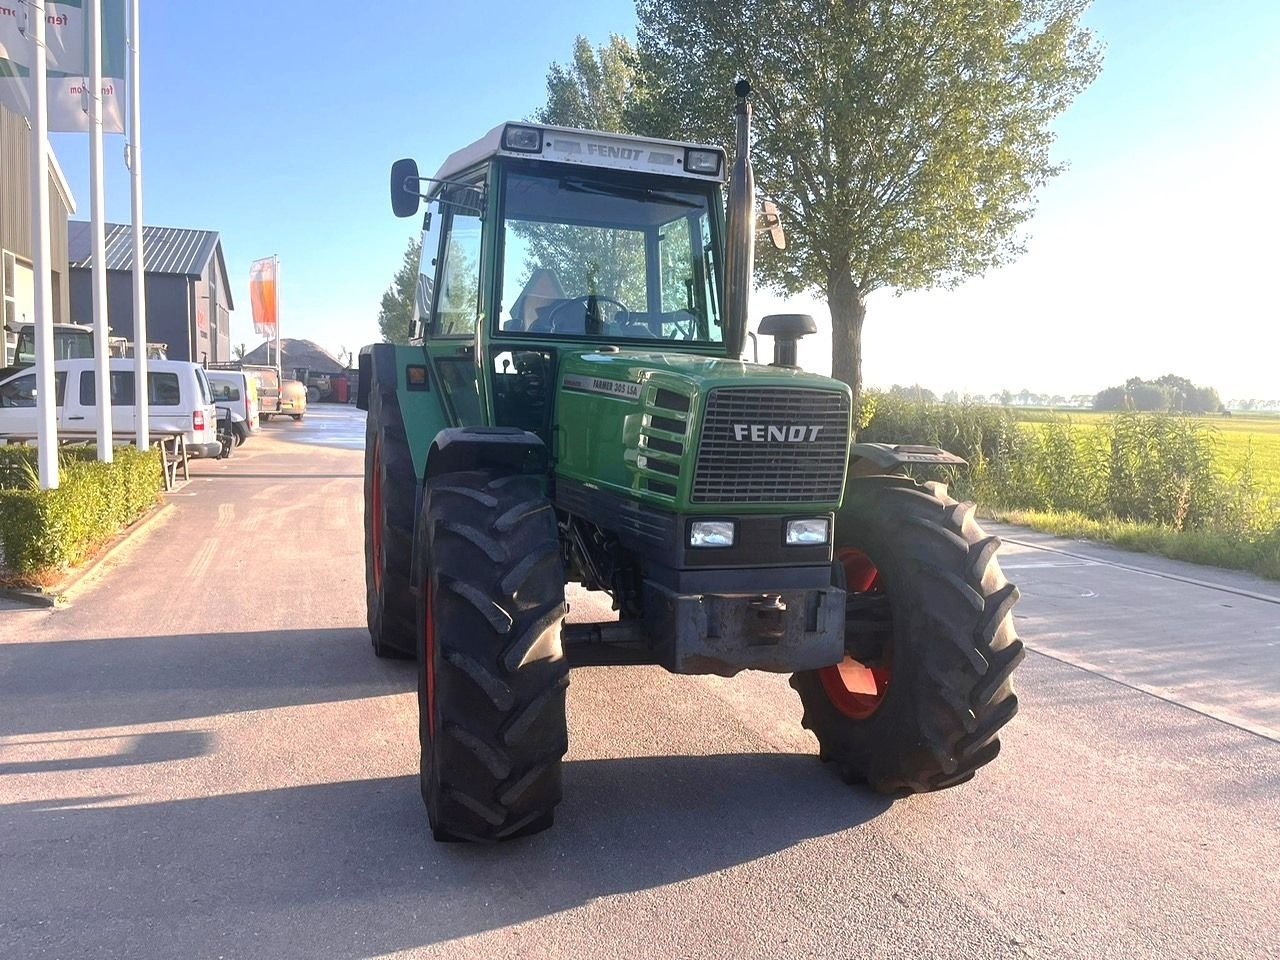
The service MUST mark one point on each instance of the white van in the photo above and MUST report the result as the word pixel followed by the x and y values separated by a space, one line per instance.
pixel 179 395
pixel 237 393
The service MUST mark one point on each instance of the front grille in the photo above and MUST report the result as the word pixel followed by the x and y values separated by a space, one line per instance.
pixel 742 460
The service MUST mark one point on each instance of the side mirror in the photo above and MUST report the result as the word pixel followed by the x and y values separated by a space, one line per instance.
pixel 770 222
pixel 404 188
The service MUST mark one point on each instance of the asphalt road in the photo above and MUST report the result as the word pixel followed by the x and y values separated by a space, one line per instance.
pixel 200 757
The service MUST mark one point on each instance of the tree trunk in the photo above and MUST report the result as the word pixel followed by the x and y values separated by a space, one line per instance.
pixel 848 310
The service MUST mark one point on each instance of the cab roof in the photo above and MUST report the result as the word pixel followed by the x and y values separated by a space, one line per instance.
pixel 594 148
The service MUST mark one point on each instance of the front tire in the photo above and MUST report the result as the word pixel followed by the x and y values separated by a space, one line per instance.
pixel 492 673
pixel 390 495
pixel 920 703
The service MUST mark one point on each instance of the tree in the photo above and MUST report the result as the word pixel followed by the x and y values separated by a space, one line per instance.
pixel 239 350
pixel 1148 397
pixel 915 393
pixel 1112 398
pixel 594 90
pixel 903 141
pixel 591 92
pixel 395 317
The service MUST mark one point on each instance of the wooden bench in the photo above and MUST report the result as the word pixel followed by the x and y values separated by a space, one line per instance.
pixel 172 444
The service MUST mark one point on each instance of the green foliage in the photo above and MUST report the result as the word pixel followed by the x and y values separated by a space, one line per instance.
pixel 594 90
pixel 1169 392
pixel 395 316
pixel 45 531
pixel 591 92
pixel 903 142
pixel 1143 477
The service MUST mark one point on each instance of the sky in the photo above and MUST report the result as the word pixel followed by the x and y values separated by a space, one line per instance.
pixel 1153 253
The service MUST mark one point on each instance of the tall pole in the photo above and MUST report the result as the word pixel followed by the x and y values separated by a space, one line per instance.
pixel 46 414
pixel 276 288
pixel 141 414
pixel 97 226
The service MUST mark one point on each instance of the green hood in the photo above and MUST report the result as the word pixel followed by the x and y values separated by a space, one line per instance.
pixel 630 422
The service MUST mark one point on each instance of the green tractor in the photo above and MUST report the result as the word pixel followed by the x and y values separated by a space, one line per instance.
pixel 573 409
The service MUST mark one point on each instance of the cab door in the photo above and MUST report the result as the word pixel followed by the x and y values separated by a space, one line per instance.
pixel 453 309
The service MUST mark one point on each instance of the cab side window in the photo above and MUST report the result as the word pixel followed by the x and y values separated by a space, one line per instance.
pixel 458 297
pixel 424 294
pixel 21 391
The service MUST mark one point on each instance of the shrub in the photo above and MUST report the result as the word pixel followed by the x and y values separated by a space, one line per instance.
pixel 1157 471
pixel 44 531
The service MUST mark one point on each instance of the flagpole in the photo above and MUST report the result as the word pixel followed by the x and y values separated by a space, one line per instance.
pixel 97 227
pixel 141 415
pixel 46 419
pixel 276 288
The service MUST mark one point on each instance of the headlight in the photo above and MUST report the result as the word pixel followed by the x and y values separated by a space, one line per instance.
pixel 711 533
pixel 808 532
pixel 522 139
pixel 702 161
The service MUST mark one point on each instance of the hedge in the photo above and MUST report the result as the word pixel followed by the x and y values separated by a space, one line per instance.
pixel 45 531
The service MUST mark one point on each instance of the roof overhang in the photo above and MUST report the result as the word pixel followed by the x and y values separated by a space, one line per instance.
pixel 60 182
pixel 591 148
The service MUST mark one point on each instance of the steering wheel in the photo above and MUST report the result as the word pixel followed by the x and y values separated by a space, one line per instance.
pixel 559 307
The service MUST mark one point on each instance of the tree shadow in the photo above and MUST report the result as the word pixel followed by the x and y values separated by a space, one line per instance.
pixel 118 681
pixel 349 869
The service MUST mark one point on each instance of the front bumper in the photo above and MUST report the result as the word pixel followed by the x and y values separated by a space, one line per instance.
pixel 780 630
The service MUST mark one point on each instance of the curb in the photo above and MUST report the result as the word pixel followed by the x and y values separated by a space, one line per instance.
pixel 55 596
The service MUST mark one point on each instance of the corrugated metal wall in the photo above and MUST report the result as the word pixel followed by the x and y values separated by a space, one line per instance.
pixel 168 319
pixel 15 207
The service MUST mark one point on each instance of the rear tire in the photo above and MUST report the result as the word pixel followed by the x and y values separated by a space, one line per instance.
pixel 390 500
pixel 953 647
pixel 492 673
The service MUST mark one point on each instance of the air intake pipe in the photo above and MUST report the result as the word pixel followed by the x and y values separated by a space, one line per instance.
pixel 740 248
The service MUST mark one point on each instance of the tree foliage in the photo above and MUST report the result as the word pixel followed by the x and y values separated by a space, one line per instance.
pixel 595 89
pixel 903 141
pixel 395 316
pixel 592 92
pixel 1167 393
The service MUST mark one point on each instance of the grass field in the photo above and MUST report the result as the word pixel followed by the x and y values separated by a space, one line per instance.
pixel 1239 439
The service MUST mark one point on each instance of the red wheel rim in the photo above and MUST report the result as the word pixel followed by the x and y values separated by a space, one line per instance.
pixel 854 688
pixel 428 656
pixel 376 509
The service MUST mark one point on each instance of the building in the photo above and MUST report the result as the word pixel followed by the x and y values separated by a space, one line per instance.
pixel 188 298
pixel 17 280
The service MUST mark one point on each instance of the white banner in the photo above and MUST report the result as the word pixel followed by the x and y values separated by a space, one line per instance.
pixel 68 59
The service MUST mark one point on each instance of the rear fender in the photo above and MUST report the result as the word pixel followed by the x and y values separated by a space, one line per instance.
pixel 867 459
pixel 385 369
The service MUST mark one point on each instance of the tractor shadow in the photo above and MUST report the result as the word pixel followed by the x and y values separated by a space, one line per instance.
pixel 50 687
pixel 349 869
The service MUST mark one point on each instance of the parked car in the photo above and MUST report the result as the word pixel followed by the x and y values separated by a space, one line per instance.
pixel 179 395
pixel 268 385
pixel 237 393
pixel 293 399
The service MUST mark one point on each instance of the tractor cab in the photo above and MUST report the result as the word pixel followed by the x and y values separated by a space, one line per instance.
pixel 538 240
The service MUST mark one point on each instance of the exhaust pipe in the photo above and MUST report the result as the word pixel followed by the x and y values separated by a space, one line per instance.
pixel 740 246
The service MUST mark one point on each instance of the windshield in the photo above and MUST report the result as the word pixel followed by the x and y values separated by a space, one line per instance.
pixel 608 255
pixel 67 345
